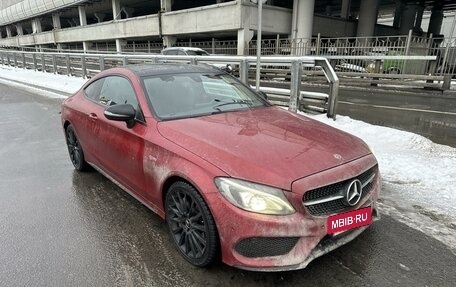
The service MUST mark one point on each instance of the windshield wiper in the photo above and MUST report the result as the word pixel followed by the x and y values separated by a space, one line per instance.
pixel 234 102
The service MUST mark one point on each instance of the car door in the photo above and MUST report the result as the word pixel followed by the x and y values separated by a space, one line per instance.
pixel 120 149
pixel 85 122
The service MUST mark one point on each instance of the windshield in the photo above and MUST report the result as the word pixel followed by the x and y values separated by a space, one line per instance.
pixel 196 94
pixel 197 53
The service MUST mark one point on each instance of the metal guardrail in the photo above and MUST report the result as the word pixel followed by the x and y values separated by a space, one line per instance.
pixel 85 65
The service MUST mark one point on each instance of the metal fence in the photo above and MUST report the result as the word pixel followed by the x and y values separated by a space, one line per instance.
pixel 357 60
pixel 85 65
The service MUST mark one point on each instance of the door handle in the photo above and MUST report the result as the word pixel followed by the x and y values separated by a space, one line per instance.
pixel 93 116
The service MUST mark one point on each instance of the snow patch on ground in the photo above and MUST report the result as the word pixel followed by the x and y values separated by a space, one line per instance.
pixel 66 84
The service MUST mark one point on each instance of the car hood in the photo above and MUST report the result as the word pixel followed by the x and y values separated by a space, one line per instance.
pixel 266 145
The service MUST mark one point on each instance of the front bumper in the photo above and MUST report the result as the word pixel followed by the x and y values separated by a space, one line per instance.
pixel 304 236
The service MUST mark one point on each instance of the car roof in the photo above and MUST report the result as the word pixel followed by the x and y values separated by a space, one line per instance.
pixel 145 70
pixel 183 48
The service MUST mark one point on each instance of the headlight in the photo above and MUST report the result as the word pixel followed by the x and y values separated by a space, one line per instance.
pixel 254 197
pixel 371 149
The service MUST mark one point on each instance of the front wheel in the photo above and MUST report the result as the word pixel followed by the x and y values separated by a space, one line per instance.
pixel 191 225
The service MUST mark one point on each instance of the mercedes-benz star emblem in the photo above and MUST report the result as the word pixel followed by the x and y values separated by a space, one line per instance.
pixel 353 192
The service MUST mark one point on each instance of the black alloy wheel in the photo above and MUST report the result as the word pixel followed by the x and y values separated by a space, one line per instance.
pixel 75 150
pixel 191 225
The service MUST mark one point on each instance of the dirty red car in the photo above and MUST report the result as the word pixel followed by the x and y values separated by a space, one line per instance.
pixel 234 177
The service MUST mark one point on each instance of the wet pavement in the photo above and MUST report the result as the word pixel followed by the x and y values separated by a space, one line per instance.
pixel 59 227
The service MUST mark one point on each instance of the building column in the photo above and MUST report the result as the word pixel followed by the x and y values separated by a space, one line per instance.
pixel 100 17
pixel 119 45
pixel 368 14
pixel 19 29
pixel 435 23
pixel 408 19
pixel 345 9
pixel 303 13
pixel 56 21
pixel 243 39
pixel 128 11
pixel 398 13
pixel 419 18
pixel 116 11
pixel 9 33
pixel 82 16
pixel 86 45
pixel 165 5
pixel 36 25
pixel 169 41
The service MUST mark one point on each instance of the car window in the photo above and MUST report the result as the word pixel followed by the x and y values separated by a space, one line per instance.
pixel 170 52
pixel 181 53
pixel 117 90
pixel 92 91
pixel 197 53
pixel 194 94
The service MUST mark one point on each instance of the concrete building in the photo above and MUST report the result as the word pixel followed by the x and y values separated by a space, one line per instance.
pixel 60 23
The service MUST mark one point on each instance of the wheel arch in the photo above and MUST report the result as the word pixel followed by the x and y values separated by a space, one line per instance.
pixel 66 124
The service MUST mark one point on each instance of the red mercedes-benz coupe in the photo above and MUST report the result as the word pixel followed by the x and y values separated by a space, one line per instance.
pixel 233 176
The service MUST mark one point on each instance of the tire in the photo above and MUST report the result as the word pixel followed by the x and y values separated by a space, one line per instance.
pixel 75 150
pixel 191 225
pixel 394 71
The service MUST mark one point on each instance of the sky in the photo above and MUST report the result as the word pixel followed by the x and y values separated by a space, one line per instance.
pixel 418 175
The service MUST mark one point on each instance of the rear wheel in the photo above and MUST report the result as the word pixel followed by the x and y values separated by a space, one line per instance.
pixel 75 150
pixel 191 225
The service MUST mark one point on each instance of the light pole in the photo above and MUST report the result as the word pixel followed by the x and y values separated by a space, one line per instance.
pixel 258 53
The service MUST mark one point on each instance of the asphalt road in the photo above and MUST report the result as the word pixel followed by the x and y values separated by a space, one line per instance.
pixel 59 227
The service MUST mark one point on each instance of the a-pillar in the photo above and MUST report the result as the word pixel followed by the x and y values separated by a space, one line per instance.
pixel 19 29
pixel 408 19
pixel 116 10
pixel 165 5
pixel 303 12
pixel 243 38
pixel 9 34
pixel 36 25
pixel 82 16
pixel 368 13
pixel 345 9
pixel 435 23
pixel 56 21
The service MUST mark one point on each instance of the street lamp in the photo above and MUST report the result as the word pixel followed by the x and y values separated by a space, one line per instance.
pixel 258 53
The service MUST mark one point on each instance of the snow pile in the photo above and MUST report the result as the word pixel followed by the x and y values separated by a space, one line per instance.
pixel 406 158
pixel 61 83
pixel 419 176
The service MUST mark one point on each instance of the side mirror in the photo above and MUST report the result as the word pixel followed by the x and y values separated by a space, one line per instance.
pixel 228 69
pixel 122 113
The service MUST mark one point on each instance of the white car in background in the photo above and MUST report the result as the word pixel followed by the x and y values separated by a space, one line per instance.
pixel 184 51
pixel 192 51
